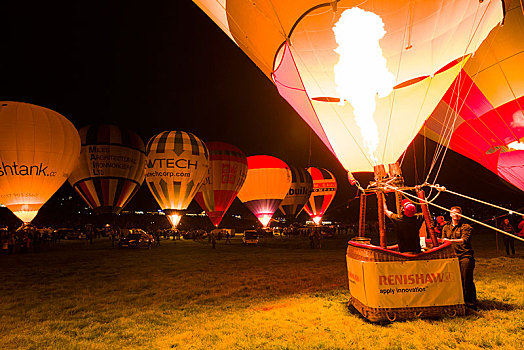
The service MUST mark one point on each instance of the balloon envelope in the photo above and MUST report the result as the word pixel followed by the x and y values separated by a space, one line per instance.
pixel 482 114
pixel 110 169
pixel 39 148
pixel 298 194
pixel 324 190
pixel 226 175
pixel 293 42
pixel 267 183
pixel 177 163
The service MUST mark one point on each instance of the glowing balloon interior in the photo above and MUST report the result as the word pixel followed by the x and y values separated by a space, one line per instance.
pixel 313 56
pixel 38 152
pixel 267 183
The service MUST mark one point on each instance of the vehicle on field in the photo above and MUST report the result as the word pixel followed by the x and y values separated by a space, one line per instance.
pixel 136 238
pixel 250 237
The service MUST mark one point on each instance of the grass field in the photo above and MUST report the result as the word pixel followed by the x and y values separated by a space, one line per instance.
pixel 185 295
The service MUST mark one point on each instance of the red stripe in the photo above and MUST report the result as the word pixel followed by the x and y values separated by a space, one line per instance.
pixel 263 162
pixel 90 199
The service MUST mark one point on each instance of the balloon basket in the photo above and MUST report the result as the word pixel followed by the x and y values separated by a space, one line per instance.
pixel 387 285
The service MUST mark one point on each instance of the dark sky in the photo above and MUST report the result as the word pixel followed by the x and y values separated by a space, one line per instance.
pixel 164 65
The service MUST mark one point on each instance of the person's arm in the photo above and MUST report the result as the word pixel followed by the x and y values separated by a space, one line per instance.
pixel 446 233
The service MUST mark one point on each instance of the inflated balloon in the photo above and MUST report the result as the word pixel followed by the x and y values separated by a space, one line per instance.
pixel 330 60
pixel 38 150
pixel 226 175
pixel 298 194
pixel 324 190
pixel 482 114
pixel 177 163
pixel 267 183
pixel 110 169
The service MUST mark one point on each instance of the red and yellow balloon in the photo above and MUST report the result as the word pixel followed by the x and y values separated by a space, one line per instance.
pixel 482 114
pixel 267 184
pixel 226 175
pixel 324 191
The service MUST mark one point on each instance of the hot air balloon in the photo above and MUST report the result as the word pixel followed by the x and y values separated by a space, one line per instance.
pixel 324 190
pixel 39 148
pixel 176 165
pixel 110 169
pixel 319 56
pixel 298 194
pixel 226 175
pixel 267 184
pixel 481 116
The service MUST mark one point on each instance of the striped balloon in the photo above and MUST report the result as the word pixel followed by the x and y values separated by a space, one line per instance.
pixel 324 190
pixel 226 175
pixel 110 169
pixel 267 183
pixel 177 163
pixel 298 194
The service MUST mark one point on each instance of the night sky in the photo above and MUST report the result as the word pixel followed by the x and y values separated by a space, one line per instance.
pixel 164 65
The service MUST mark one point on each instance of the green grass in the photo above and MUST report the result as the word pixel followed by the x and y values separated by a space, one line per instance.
pixel 185 295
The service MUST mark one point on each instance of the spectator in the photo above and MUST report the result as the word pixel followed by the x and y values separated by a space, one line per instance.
pixel 460 234
pixel 508 240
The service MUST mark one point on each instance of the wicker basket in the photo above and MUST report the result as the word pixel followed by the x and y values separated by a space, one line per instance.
pixel 370 253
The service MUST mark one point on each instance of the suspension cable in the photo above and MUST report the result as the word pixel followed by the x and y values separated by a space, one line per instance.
pixel 480 201
pixel 464 216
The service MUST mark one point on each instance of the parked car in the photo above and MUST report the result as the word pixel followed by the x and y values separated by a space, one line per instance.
pixel 250 237
pixel 69 233
pixel 137 238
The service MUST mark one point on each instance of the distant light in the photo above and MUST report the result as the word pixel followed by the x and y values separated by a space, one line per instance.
pixel 139 212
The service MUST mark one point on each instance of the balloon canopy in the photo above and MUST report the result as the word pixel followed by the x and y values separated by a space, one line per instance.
pixel 324 190
pixel 110 169
pixel 38 151
pixel 319 55
pixel 226 175
pixel 267 183
pixel 176 164
pixel 298 194
pixel 482 114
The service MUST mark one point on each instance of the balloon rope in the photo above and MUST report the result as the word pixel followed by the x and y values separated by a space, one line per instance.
pixel 439 149
pixel 464 216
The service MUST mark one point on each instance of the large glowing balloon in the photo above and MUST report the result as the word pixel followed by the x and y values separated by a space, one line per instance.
pixel 324 190
pixel 38 150
pixel 110 169
pixel 330 60
pixel 267 183
pixel 482 114
pixel 177 163
pixel 226 175
pixel 298 194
